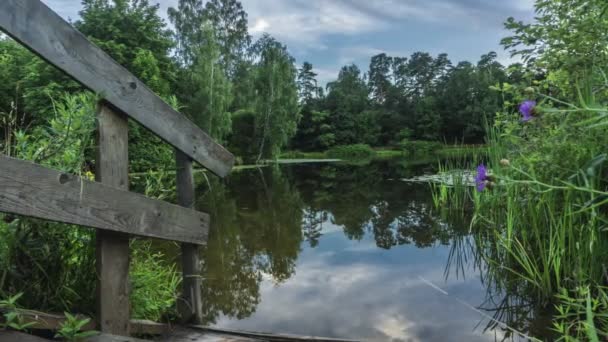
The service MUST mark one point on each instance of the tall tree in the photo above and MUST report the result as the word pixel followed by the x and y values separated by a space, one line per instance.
pixel 210 93
pixel 126 29
pixel 347 98
pixel 568 34
pixel 188 19
pixel 229 21
pixel 379 77
pixel 276 108
pixel 307 83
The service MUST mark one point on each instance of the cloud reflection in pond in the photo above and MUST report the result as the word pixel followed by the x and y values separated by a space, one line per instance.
pixel 353 289
pixel 336 251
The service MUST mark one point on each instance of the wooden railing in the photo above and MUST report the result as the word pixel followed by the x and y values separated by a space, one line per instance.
pixel 107 205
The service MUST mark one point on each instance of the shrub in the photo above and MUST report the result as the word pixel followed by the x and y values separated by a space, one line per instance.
pixel 358 151
pixel 420 148
pixel 155 283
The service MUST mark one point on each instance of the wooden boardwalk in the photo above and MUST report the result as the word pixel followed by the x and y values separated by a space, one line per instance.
pixel 181 335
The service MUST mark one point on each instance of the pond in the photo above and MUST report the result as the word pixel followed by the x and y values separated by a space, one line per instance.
pixel 340 250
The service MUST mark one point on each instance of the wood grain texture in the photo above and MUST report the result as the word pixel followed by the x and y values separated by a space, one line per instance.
pixel 15 336
pixel 44 32
pixel 113 255
pixel 191 304
pixel 268 336
pixel 113 338
pixel 32 190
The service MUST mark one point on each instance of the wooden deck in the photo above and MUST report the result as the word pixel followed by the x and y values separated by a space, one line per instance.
pixel 48 322
pixel 182 335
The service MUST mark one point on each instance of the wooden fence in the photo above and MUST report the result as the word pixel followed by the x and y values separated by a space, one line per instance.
pixel 106 204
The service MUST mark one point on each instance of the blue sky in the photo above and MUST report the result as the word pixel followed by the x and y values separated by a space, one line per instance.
pixel 332 33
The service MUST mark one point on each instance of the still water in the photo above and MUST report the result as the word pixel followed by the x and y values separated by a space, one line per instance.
pixel 343 251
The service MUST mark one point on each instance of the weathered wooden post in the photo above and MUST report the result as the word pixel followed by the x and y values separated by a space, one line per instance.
pixel 112 168
pixel 191 307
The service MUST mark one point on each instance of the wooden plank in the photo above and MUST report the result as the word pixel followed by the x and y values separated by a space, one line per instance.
pixel 181 334
pixel 112 338
pixel 32 190
pixel 53 322
pixel 15 336
pixel 46 321
pixel 44 32
pixel 113 255
pixel 142 327
pixel 268 336
pixel 191 305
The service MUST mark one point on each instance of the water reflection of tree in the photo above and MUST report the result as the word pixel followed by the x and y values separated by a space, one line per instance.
pixel 512 311
pixel 372 200
pixel 312 225
pixel 261 217
pixel 256 230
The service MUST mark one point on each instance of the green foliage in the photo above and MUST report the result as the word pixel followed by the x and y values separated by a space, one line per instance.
pixel 541 229
pixel 419 148
pixel 359 151
pixel 578 312
pixel 243 129
pixel 276 107
pixel 210 92
pixel 66 140
pixel 39 255
pixel 71 329
pixel 52 263
pixel 12 318
pixel 133 33
pixel 155 284
pixel 307 84
pixel 229 23
pixel 346 100
pixel 566 35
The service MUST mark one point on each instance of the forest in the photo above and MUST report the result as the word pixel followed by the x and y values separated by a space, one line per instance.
pixel 252 95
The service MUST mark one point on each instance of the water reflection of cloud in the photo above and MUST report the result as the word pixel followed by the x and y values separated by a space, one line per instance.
pixel 368 299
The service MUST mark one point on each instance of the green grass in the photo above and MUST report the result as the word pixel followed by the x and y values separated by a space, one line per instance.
pixel 541 230
pixel 389 152
pixel 458 150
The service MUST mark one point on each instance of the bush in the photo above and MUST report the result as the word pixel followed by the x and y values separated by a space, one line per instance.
pixel 358 151
pixel 155 283
pixel 420 148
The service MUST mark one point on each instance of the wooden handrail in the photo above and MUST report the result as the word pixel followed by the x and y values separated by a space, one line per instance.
pixel 32 190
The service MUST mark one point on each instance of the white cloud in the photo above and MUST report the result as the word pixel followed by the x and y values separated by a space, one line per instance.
pixel 364 300
pixel 306 23
pixel 260 26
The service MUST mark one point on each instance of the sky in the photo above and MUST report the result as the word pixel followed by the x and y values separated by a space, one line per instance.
pixel 333 33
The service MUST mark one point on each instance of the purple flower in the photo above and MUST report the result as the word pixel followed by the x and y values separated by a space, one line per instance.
pixel 481 179
pixel 527 110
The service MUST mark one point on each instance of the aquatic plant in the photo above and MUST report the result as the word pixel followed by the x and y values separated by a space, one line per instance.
pixel 541 233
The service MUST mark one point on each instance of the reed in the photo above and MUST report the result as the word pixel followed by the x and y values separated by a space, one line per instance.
pixel 541 226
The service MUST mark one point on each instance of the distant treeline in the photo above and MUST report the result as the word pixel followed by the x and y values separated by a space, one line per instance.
pixel 420 98
pixel 250 95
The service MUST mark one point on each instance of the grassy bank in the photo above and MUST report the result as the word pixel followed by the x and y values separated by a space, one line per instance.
pixel 391 152
pixel 540 216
